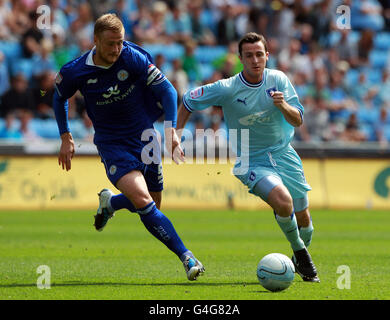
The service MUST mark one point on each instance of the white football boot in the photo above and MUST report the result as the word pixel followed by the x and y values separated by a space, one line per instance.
pixel 193 268
pixel 103 214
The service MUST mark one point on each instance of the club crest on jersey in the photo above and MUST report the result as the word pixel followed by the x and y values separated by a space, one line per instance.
pixel 270 90
pixel 196 93
pixel 122 75
pixel 113 169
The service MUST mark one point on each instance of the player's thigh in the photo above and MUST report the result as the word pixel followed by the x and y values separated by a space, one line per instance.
pixel 271 189
pixel 290 169
pixel 134 187
pixel 118 161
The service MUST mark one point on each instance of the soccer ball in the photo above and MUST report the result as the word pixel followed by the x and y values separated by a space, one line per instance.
pixel 275 272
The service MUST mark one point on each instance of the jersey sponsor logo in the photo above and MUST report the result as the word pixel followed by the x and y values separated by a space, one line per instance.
pixel 122 75
pixel 196 93
pixel 114 95
pixel 111 91
pixel 90 81
pixel 270 91
pixel 58 78
pixel 257 117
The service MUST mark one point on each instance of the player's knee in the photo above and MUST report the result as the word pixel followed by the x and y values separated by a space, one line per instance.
pixel 281 201
pixel 142 201
pixel 284 208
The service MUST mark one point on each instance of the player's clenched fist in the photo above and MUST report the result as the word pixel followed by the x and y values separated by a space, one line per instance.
pixel 278 98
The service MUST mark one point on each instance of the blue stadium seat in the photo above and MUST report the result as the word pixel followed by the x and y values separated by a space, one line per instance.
pixel 354 36
pixel 368 131
pixel 387 132
pixel 382 41
pixel 22 65
pixel 207 54
pixel 15 124
pixel 208 20
pixel 170 52
pixel 173 51
pixel 378 58
pixel 206 70
pixel 77 128
pixel 368 116
pixel 374 76
pixel 334 37
pixel 352 77
pixel 45 128
pixel 11 49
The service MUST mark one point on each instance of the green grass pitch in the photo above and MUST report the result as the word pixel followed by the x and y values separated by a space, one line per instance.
pixel 126 262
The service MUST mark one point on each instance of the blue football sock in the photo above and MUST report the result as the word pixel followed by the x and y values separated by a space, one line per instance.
pixel 120 201
pixel 160 227
pixel 306 234
pixel 290 229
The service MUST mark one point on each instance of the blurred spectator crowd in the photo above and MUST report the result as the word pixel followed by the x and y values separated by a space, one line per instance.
pixel 342 75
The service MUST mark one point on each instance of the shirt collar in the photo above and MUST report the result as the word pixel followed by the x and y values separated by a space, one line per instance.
pixel 251 85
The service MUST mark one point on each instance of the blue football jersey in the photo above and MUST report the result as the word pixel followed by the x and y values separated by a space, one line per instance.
pixel 250 107
pixel 118 98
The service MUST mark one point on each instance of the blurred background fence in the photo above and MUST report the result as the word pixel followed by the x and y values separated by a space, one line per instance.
pixel 338 61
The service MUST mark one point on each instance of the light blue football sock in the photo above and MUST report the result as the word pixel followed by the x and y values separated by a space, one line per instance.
pixel 306 234
pixel 120 201
pixel 289 227
pixel 161 228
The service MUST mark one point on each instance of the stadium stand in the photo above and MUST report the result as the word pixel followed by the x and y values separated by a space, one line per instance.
pixel 189 31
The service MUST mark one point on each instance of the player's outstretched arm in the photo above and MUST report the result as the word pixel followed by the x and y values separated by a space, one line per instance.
pixel 66 151
pixel 182 118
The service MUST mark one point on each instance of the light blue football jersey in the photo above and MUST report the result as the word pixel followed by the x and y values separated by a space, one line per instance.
pixel 250 107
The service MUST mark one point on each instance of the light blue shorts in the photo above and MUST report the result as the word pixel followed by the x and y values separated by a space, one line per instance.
pixel 286 167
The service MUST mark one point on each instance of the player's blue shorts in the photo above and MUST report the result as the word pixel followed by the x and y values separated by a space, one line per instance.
pixel 285 165
pixel 120 159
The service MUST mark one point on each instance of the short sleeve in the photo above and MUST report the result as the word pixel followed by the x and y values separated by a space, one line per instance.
pixel 205 96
